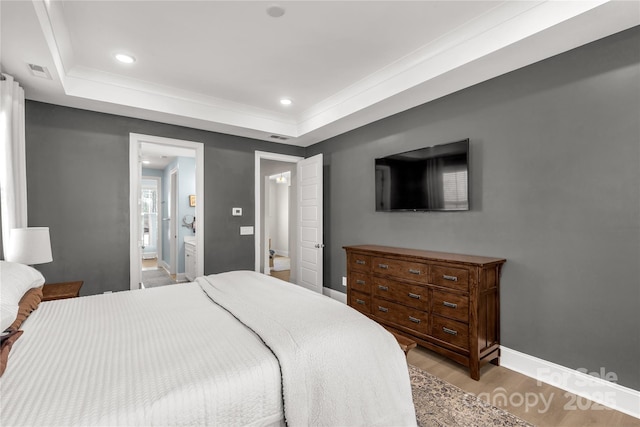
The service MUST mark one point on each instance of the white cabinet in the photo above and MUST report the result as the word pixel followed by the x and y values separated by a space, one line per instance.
pixel 190 261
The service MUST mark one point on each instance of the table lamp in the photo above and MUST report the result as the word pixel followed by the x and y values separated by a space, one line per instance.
pixel 29 246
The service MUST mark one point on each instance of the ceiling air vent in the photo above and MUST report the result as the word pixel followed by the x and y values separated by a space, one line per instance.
pixel 39 71
pixel 281 138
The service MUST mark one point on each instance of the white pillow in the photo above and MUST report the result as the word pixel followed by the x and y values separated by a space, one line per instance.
pixel 15 280
pixel 8 314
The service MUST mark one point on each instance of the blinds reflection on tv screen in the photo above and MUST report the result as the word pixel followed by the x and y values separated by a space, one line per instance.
pixel 428 179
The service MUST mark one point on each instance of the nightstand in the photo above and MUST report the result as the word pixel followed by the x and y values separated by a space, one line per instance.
pixel 62 290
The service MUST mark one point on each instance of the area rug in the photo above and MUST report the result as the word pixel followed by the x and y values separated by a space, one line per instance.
pixel 155 278
pixel 439 403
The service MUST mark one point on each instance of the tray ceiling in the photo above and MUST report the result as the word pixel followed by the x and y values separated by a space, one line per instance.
pixel 225 65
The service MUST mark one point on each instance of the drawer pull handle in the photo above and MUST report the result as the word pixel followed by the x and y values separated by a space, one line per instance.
pixel 359 301
pixel 383 288
pixel 383 266
pixel 451 278
pixel 384 309
pixel 361 262
pixel 412 271
pixel 416 296
pixel 449 304
pixel 449 331
pixel 414 320
pixel 360 282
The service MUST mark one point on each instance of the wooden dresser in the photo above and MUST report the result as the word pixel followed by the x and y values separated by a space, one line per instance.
pixel 448 303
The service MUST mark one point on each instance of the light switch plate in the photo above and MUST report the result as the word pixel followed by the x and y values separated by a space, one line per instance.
pixel 236 211
pixel 246 231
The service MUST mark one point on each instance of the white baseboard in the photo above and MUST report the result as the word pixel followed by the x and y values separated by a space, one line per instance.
pixel 597 387
pixel 338 296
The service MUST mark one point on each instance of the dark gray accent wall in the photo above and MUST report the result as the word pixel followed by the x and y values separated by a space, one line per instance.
pixel 78 185
pixel 554 177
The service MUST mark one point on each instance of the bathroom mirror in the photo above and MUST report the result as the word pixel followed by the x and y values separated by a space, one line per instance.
pixel 188 221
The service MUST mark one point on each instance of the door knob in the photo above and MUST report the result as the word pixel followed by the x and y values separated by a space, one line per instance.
pixel 319 245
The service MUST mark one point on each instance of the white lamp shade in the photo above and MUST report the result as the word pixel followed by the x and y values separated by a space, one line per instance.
pixel 30 245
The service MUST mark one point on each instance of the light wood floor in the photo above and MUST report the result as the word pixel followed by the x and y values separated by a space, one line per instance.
pixel 537 403
pixel 150 263
pixel 282 275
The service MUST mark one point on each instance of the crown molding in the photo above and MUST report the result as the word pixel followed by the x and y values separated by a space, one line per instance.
pixel 465 56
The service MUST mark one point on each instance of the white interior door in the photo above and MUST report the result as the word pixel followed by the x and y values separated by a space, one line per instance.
pixel 310 237
pixel 173 222
pixel 151 205
pixel 135 269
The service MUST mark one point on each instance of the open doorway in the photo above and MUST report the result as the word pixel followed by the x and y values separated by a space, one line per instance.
pixel 279 220
pixel 276 215
pixel 154 273
pixel 151 204
pixel 177 168
pixel 305 216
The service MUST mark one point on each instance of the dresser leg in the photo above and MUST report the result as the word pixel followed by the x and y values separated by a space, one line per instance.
pixel 496 359
pixel 474 371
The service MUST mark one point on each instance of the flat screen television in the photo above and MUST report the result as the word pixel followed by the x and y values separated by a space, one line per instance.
pixel 433 178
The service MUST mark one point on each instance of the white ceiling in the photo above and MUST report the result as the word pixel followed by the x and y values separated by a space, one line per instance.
pixel 158 156
pixel 224 65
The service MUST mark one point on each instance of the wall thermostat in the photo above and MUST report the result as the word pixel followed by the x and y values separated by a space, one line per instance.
pixel 236 211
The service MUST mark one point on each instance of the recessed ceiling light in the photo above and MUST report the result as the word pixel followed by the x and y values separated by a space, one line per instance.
pixel 275 11
pixel 146 162
pixel 285 101
pixel 124 58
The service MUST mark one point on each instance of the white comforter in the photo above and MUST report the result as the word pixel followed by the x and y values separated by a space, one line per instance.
pixel 338 367
pixel 179 356
pixel 159 356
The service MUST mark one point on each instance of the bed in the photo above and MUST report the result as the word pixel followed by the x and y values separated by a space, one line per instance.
pixel 236 348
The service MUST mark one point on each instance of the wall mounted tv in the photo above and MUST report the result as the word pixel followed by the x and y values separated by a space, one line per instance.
pixel 428 179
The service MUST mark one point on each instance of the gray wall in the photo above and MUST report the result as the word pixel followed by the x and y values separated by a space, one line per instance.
pixel 554 179
pixel 78 185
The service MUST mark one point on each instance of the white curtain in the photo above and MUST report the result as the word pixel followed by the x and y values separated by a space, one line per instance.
pixel 13 168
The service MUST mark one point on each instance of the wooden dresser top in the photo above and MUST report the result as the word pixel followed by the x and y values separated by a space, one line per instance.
pixel 418 253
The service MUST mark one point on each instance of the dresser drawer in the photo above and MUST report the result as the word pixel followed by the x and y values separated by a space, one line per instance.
pixel 450 277
pixel 360 301
pixel 400 315
pixel 412 295
pixel 403 269
pixel 360 282
pixel 451 331
pixel 359 262
pixel 453 306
